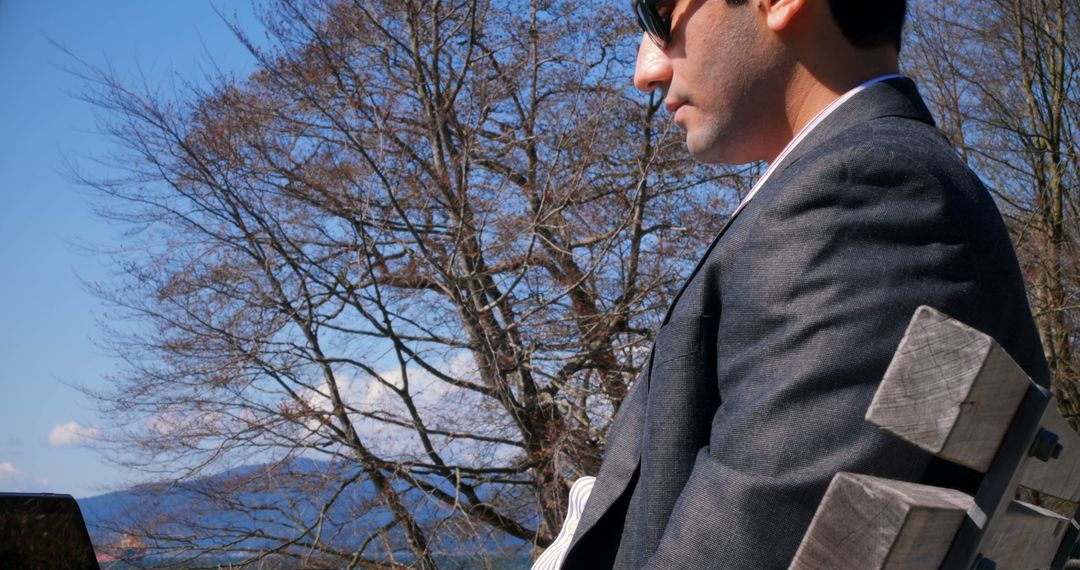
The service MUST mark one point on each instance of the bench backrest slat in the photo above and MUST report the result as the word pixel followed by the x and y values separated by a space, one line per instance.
pixel 1026 537
pixel 869 522
pixel 1059 477
pixel 954 392
pixel 950 390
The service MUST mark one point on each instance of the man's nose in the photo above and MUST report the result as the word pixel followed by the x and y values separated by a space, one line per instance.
pixel 653 69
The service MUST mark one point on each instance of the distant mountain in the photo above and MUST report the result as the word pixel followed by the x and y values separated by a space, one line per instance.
pixel 253 507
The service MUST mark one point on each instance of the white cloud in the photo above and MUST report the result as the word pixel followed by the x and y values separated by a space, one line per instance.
pixel 72 434
pixel 441 405
pixel 15 480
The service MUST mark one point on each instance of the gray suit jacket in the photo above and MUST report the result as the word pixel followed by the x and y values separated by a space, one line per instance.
pixel 765 364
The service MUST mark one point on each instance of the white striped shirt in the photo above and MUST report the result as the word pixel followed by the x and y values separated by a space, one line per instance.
pixel 552 558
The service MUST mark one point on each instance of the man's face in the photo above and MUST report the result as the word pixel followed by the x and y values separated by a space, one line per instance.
pixel 720 76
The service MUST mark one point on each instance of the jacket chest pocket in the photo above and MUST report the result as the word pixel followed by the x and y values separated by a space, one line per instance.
pixel 683 397
pixel 681 338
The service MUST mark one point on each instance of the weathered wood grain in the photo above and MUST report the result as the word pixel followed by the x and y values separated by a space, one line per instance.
pixel 866 523
pixel 950 390
pixel 1058 477
pixel 1025 538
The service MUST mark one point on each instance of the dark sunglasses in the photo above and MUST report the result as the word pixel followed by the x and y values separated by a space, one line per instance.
pixel 656 26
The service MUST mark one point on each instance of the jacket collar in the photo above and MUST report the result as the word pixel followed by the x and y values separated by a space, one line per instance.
pixel 897 97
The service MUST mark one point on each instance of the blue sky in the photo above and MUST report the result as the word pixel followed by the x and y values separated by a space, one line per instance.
pixel 47 319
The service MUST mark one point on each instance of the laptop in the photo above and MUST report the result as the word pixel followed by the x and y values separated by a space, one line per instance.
pixel 43 530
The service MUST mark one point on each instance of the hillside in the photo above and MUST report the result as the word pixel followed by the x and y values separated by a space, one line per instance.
pixel 253 508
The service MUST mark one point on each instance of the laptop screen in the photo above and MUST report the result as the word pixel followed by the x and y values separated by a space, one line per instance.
pixel 43 531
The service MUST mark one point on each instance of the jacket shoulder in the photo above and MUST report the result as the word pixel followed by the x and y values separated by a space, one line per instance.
pixel 884 153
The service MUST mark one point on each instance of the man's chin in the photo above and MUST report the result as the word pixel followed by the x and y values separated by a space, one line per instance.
pixel 708 154
pixel 711 151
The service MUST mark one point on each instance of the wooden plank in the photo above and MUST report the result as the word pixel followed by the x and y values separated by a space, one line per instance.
pixel 1026 537
pixel 1058 477
pixel 950 390
pixel 866 523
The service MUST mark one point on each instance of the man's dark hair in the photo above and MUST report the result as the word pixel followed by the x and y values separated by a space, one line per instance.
pixel 870 23
pixel 866 23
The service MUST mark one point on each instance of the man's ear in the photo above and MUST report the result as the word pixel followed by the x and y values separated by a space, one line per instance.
pixel 780 13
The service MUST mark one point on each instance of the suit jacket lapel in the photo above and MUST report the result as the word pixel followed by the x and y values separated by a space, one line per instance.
pixel 700 264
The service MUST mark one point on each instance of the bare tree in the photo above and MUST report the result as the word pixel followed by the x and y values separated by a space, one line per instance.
pixel 1003 76
pixel 425 243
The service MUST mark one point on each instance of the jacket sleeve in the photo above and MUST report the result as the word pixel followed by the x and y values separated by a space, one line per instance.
pixel 815 301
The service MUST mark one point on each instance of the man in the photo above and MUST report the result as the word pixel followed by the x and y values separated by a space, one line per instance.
pixel 766 362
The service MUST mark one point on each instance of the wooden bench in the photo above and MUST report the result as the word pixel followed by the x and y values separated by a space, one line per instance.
pixel 954 392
